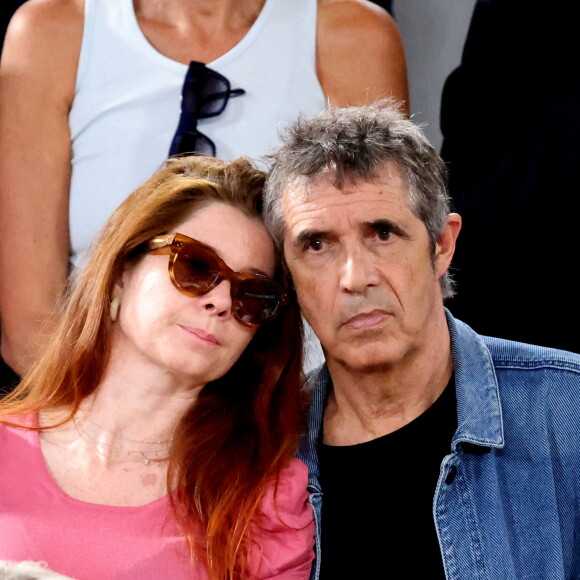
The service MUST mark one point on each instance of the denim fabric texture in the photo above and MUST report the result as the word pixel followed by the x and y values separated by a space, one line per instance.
pixel 507 502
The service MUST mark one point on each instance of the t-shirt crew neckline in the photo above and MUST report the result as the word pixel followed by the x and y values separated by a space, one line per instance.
pixel 48 482
pixel 445 399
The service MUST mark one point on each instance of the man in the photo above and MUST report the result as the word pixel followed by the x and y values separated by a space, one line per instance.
pixel 433 452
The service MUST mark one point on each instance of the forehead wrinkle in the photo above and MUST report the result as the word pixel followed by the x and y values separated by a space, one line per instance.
pixel 305 209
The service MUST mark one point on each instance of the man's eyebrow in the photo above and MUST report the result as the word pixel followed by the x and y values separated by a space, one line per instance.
pixel 385 224
pixel 309 235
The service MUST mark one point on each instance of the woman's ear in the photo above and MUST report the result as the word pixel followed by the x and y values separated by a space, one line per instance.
pixel 116 301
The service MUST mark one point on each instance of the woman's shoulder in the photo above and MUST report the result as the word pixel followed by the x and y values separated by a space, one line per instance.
pixel 42 42
pixel 20 421
pixel 288 494
pixel 283 540
pixel 17 426
pixel 48 13
pixel 48 21
pixel 363 20
pixel 376 70
pixel 18 443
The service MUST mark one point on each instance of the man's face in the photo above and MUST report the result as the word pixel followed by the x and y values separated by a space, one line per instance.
pixel 361 263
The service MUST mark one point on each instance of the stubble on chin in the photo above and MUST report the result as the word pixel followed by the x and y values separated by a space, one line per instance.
pixel 366 351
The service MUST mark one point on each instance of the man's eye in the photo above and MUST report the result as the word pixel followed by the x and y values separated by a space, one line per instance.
pixel 384 234
pixel 315 245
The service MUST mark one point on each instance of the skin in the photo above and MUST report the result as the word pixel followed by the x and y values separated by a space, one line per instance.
pixel 199 339
pixel 166 346
pixel 37 85
pixel 37 74
pixel 377 69
pixel 378 309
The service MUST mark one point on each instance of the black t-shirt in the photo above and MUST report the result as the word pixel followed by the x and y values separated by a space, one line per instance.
pixel 377 501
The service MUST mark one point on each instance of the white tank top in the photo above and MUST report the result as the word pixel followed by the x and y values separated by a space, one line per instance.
pixel 127 101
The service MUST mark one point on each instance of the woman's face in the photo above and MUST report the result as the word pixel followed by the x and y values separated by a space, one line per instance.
pixel 195 339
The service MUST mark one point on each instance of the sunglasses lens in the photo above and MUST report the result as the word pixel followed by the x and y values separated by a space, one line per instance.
pixel 214 95
pixel 194 143
pixel 256 301
pixel 204 145
pixel 195 269
pixel 205 93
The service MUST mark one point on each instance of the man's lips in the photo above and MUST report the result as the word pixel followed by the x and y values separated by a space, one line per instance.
pixel 366 319
pixel 201 334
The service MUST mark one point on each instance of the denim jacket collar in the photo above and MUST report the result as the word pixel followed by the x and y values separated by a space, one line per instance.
pixel 318 384
pixel 479 416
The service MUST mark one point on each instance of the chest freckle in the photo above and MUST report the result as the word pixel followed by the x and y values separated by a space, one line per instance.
pixel 148 479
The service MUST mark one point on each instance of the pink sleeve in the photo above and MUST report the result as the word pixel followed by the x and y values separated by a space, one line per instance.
pixel 283 545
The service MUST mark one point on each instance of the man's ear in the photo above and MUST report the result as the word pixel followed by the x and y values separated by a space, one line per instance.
pixel 445 246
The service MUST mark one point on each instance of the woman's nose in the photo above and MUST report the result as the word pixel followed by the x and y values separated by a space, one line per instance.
pixel 218 300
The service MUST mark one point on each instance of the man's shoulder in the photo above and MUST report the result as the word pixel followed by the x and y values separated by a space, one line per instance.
pixel 526 377
pixel 511 354
pixel 539 382
pixel 479 352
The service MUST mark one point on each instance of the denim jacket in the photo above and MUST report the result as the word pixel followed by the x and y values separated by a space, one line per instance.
pixel 507 502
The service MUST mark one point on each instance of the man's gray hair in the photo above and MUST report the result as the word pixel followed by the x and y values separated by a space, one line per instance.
pixel 356 143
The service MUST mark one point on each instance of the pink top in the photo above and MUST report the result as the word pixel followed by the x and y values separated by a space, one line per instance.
pixel 40 522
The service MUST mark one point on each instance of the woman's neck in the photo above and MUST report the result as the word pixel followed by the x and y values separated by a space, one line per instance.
pixel 201 30
pixel 137 409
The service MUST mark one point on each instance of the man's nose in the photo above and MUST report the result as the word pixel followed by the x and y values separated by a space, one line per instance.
pixel 358 270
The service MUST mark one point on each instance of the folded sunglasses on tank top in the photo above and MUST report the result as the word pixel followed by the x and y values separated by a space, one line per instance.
pixel 205 94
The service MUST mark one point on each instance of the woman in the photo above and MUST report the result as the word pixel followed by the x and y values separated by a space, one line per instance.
pixel 98 83
pixel 162 420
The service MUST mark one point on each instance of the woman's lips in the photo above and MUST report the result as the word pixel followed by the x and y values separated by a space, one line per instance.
pixel 210 338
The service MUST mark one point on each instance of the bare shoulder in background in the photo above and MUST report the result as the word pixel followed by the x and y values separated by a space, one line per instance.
pixel 360 53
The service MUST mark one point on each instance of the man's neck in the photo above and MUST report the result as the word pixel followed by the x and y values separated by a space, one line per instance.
pixel 363 406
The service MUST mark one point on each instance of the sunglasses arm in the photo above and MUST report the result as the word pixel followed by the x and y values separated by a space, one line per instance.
pixel 160 244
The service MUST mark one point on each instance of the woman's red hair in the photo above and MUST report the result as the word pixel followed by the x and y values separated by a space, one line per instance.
pixel 244 427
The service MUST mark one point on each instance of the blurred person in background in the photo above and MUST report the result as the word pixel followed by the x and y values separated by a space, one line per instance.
pixel 510 141
pixel 90 97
